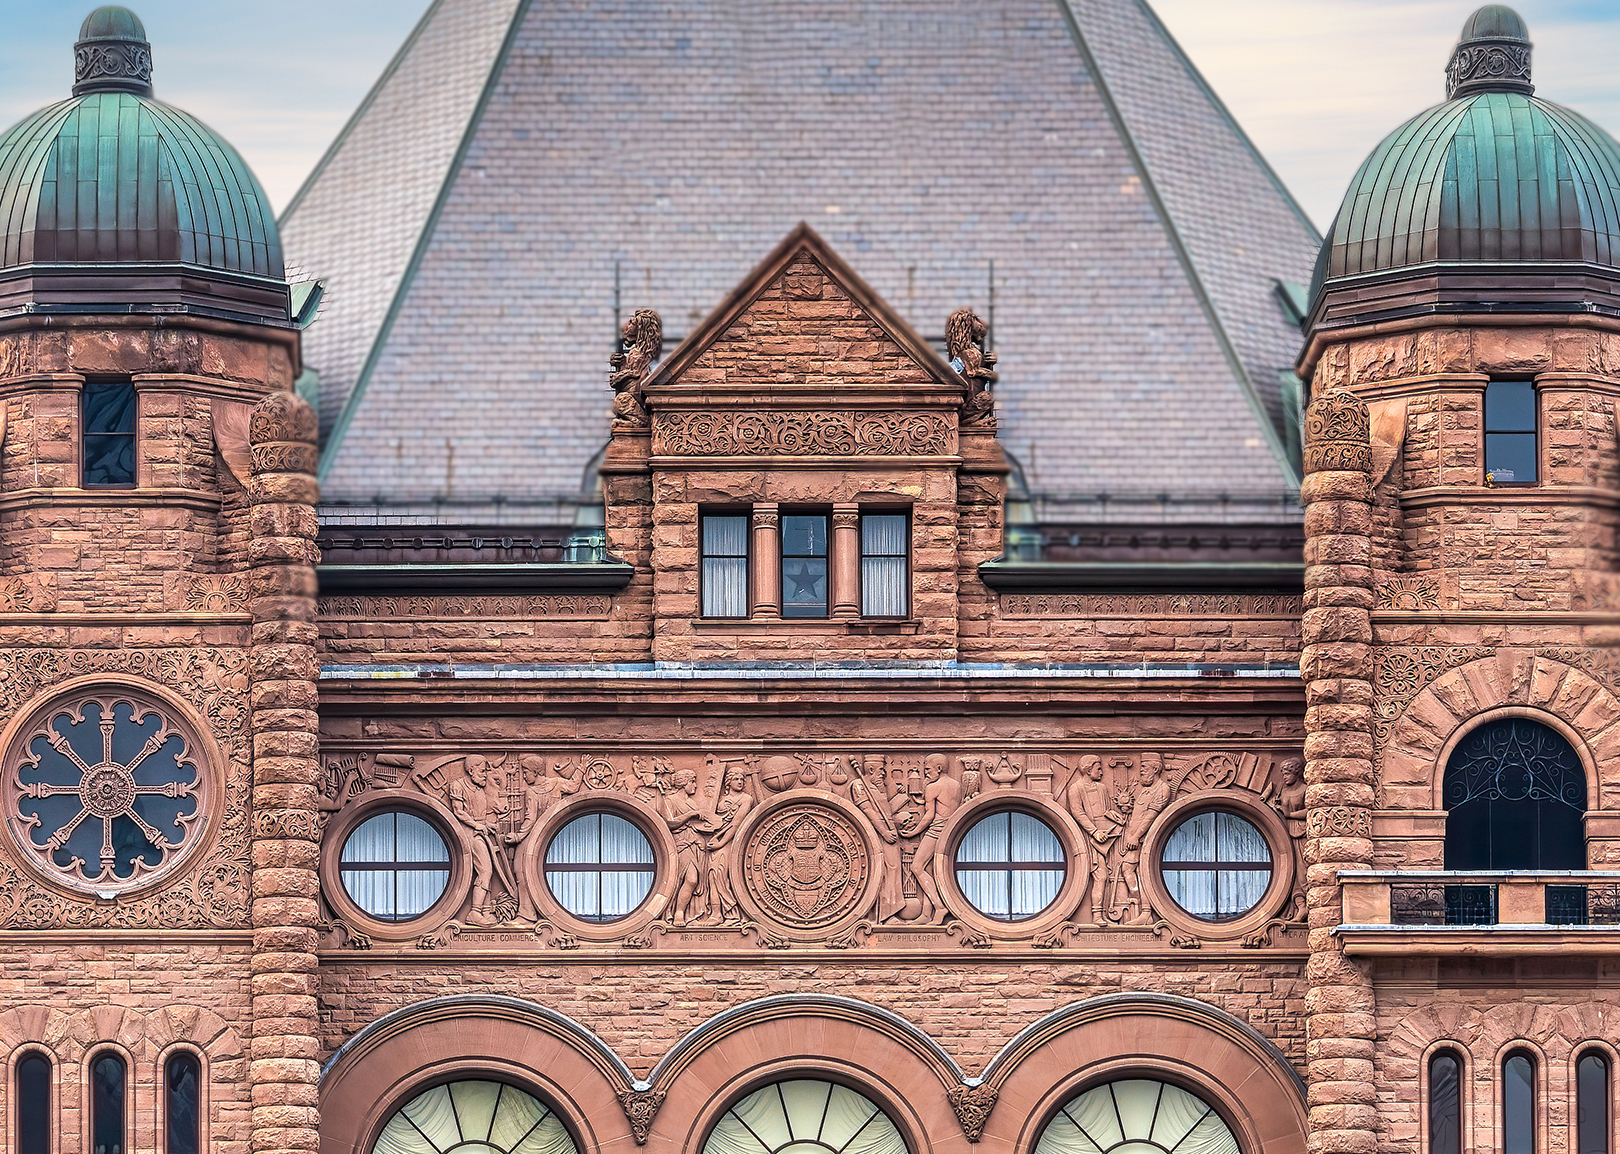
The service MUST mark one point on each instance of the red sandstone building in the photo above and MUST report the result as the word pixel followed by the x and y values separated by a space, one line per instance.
pixel 781 805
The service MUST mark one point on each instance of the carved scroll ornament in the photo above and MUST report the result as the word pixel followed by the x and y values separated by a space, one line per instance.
pixel 803 434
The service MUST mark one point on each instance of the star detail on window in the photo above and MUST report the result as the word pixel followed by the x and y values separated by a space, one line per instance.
pixel 804 583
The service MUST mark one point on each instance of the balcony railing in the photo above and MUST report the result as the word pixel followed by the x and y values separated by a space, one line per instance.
pixel 1520 900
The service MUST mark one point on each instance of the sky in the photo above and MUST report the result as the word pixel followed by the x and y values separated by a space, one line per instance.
pixel 1315 83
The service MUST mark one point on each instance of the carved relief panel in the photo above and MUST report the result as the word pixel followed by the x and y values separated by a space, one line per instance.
pixel 829 848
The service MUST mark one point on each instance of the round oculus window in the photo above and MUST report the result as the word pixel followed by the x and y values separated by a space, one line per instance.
pixel 1010 866
pixel 107 790
pixel 805 1116
pixel 1137 1116
pixel 474 1117
pixel 395 865
pixel 599 867
pixel 1216 865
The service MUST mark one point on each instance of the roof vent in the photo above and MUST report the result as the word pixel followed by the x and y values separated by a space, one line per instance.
pixel 112 54
pixel 1493 55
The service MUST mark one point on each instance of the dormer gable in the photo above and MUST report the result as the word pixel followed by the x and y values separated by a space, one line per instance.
pixel 801 451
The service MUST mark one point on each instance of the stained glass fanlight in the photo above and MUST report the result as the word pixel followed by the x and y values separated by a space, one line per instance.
pixel 474 1117
pixel 805 1116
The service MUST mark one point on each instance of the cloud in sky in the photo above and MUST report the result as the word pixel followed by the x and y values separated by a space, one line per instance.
pixel 1316 84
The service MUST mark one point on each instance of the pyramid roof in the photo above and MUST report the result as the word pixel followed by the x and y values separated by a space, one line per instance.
pixel 523 158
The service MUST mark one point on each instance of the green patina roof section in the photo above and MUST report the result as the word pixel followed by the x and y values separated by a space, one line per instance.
pixel 112 177
pixel 1498 176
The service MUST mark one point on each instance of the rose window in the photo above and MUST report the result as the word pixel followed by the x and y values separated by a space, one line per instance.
pixel 105 791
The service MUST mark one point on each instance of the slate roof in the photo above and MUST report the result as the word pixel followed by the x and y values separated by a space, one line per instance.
pixel 1136 233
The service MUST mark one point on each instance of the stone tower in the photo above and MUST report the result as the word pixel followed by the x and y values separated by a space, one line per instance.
pixel 1464 365
pixel 156 599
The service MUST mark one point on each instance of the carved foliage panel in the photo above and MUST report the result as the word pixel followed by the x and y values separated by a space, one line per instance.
pixel 803 434
pixel 825 847
pixel 209 893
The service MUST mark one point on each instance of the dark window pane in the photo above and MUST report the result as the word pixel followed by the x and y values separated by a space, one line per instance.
pixel 1445 1104
pixel 107 1106
pixel 1510 407
pixel 1510 458
pixel 1518 1105
pixel 804 566
pixel 33 1105
pixel 1592 1105
pixel 1515 798
pixel 180 1104
pixel 109 433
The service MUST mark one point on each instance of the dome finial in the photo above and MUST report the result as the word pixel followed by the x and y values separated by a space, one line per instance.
pixel 1493 55
pixel 112 54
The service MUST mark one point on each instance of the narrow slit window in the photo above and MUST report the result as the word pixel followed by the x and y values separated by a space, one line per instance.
pixel 1445 1104
pixel 107 1105
pixel 883 565
pixel 34 1105
pixel 1518 1105
pixel 181 1075
pixel 804 565
pixel 1510 432
pixel 109 435
pixel 1592 1104
pixel 725 566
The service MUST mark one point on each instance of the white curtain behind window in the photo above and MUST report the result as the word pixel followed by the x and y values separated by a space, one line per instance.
pixel 883 565
pixel 1137 1116
pixel 725 566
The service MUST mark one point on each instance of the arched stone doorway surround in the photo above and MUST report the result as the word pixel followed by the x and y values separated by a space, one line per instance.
pixel 1511 683
pixel 875 1051
pixel 1161 1036
pixel 447 1039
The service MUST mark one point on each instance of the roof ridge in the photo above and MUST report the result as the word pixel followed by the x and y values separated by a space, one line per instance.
pixel 357 392
pixel 359 113
pixel 1178 243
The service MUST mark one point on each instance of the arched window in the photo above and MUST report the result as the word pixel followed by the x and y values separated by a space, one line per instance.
pixel 34 1104
pixel 1519 1104
pixel 1592 1103
pixel 1515 798
pixel 805 1115
pixel 1445 1103
pixel 474 1117
pixel 1137 1116
pixel 181 1077
pixel 107 1105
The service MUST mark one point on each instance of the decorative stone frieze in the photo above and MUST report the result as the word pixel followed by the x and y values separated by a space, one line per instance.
pixel 808 434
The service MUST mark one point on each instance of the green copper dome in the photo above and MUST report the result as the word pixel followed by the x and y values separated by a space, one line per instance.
pixel 112 176
pixel 1493 175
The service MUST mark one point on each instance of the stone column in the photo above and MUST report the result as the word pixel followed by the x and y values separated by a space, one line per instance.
pixel 766 563
pixel 1336 666
pixel 284 1067
pixel 846 561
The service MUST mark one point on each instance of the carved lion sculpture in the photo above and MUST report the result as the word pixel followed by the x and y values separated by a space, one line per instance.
pixel 964 339
pixel 642 343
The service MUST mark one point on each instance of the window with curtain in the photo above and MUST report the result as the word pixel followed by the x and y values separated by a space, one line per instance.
pixel 1445 1103
pixel 1592 1127
pixel 181 1075
pixel 804 565
pixel 1010 866
pixel 474 1117
pixel 1510 432
pixel 108 434
pixel 883 565
pixel 725 565
pixel 107 1105
pixel 1515 798
pixel 1519 1104
pixel 805 1115
pixel 599 867
pixel 34 1105
pixel 1137 1116
pixel 395 865
pixel 1216 865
